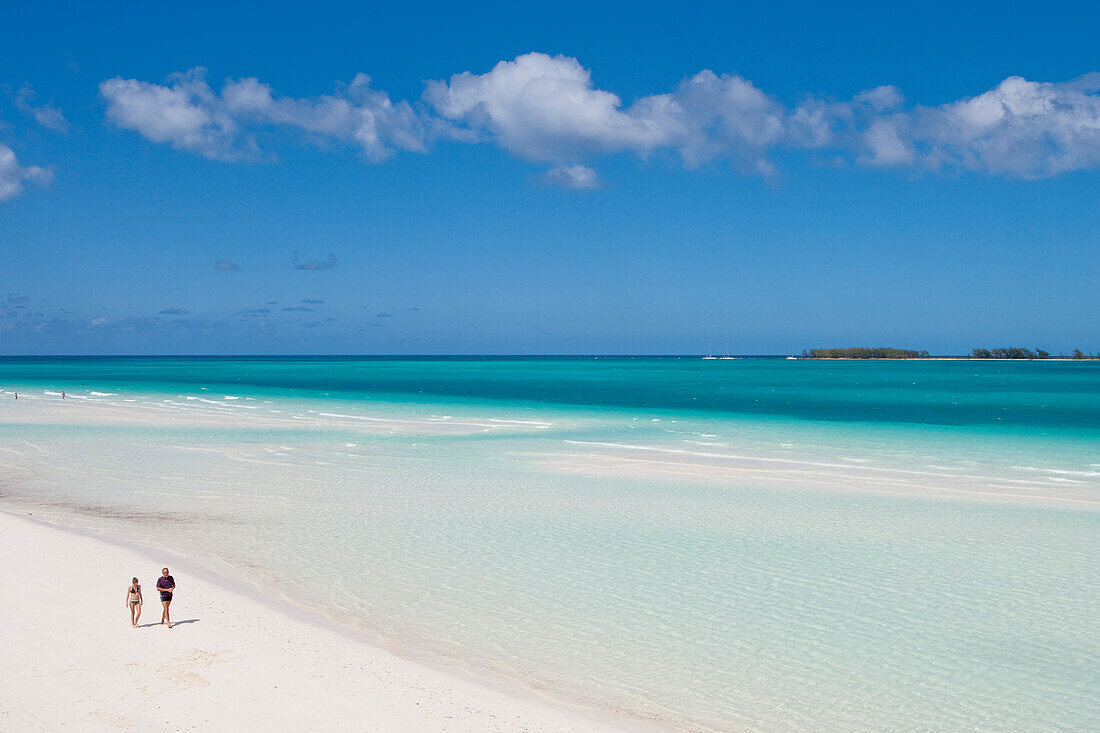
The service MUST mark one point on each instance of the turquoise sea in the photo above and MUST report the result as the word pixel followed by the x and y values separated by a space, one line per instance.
pixel 734 544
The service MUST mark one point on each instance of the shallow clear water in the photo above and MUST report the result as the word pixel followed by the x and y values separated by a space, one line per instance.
pixel 742 544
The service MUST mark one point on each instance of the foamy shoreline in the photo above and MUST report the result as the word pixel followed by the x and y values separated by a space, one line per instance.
pixel 234 662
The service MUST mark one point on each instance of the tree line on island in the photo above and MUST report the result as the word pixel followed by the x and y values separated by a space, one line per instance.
pixel 863 352
pixel 1018 352
pixel 883 352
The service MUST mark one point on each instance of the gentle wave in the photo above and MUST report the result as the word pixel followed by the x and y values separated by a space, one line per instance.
pixel 1060 471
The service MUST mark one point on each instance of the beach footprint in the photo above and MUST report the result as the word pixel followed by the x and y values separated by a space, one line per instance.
pixel 115 721
pixel 182 672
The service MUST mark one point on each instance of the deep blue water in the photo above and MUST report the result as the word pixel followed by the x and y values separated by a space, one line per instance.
pixel 1036 395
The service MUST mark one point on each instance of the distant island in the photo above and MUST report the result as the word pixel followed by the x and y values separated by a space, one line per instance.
pixel 883 352
pixel 864 352
pixel 1019 352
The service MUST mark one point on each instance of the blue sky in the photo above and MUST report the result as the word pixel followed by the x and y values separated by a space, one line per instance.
pixel 579 178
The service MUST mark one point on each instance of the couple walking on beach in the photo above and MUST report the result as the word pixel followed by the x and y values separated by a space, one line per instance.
pixel 166 584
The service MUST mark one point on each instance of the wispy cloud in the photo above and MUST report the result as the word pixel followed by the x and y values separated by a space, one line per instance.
pixel 298 308
pixel 69 61
pixel 547 109
pixel 226 266
pixel 17 299
pixel 253 312
pixel 576 177
pixel 44 114
pixel 13 175
pixel 314 265
pixel 312 301
pixel 119 331
pixel 383 314
pixel 175 312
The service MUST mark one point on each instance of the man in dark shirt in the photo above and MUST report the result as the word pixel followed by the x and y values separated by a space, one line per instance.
pixel 166 584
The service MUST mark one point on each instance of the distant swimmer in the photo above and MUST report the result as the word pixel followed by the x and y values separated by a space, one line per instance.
pixel 62 394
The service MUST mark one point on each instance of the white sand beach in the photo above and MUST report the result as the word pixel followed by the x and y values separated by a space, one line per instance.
pixel 71 661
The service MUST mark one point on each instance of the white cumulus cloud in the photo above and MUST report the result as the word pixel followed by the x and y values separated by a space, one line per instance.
pixel 547 109
pixel 188 114
pixel 185 113
pixel 543 108
pixel 721 116
pixel 887 144
pixel 1020 128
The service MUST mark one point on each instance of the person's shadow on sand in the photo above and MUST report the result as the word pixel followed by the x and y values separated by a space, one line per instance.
pixel 174 623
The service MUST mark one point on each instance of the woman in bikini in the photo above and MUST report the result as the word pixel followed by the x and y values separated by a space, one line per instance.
pixel 134 601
